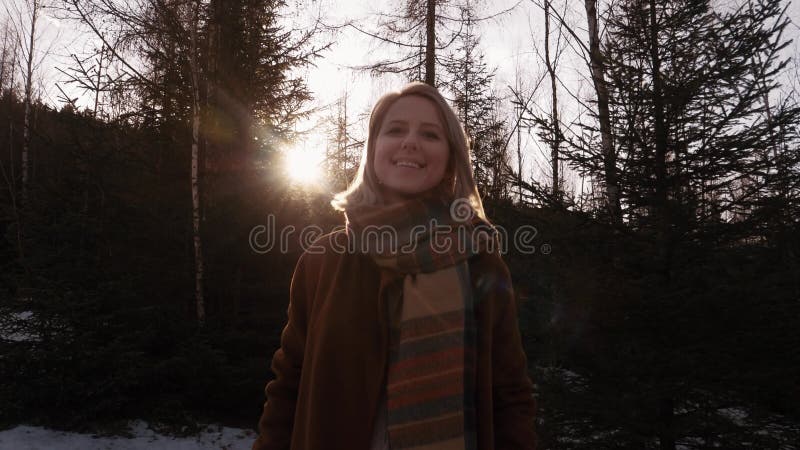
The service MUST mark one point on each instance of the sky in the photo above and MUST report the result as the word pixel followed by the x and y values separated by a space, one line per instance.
pixel 505 41
pixel 511 39
pixel 512 42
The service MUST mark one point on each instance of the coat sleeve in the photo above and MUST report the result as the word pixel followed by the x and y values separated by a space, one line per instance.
pixel 512 389
pixel 277 419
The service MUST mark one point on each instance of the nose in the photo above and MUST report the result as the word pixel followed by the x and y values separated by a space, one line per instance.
pixel 410 142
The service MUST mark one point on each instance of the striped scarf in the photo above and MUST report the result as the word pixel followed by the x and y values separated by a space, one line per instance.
pixel 432 347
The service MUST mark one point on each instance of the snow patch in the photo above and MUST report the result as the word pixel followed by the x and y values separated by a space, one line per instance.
pixel 735 415
pixel 12 330
pixel 213 437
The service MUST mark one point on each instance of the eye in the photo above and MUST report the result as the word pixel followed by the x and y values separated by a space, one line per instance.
pixel 394 130
pixel 431 135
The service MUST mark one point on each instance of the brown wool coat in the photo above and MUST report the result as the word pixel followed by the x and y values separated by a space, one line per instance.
pixel 331 366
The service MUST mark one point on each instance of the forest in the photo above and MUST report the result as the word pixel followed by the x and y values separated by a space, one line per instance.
pixel 652 146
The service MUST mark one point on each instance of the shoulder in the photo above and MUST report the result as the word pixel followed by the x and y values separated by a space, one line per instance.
pixel 490 275
pixel 329 266
pixel 329 250
pixel 318 260
pixel 324 245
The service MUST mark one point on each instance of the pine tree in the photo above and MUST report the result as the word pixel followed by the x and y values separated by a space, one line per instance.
pixel 685 79
pixel 342 155
pixel 216 88
pixel 687 85
pixel 598 63
pixel 467 77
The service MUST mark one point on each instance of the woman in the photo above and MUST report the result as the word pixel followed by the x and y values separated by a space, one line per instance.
pixel 402 329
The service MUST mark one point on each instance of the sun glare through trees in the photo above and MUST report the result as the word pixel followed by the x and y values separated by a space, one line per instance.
pixel 149 149
pixel 303 165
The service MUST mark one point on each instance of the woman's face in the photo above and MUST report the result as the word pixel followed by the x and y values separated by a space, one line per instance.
pixel 411 149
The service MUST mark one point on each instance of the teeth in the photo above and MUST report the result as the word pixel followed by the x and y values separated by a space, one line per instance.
pixel 408 164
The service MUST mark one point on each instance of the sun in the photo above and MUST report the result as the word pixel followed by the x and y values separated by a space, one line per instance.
pixel 303 165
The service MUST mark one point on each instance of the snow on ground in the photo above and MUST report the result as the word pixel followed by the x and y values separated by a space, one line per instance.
pixel 734 414
pixel 25 437
pixel 11 326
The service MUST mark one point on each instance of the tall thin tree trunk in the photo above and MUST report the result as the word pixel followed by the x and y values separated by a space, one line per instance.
pixel 196 236
pixel 556 137
pixel 85 162
pixel 658 118
pixel 666 404
pixel 467 75
pixel 3 57
pixel 9 179
pixel 13 73
pixel 340 159
pixel 430 47
pixel 12 188
pixel 99 80
pixel 604 116
pixel 26 131
pixel 777 143
pixel 211 148
pixel 661 206
pixel 344 140
pixel 519 155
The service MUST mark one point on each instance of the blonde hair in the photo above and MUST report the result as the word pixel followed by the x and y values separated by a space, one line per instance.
pixel 458 181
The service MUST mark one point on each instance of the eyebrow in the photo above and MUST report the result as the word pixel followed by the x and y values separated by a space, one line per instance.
pixel 405 122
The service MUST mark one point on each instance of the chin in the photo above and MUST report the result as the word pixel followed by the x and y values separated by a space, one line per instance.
pixel 410 194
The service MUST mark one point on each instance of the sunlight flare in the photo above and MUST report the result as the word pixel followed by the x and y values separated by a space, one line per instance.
pixel 303 165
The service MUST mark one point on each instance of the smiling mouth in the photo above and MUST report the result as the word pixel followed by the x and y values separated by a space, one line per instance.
pixel 409 164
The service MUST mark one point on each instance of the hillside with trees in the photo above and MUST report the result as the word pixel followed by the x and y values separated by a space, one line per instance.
pixel 659 309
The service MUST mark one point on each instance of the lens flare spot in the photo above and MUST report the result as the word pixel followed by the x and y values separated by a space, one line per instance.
pixel 303 165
